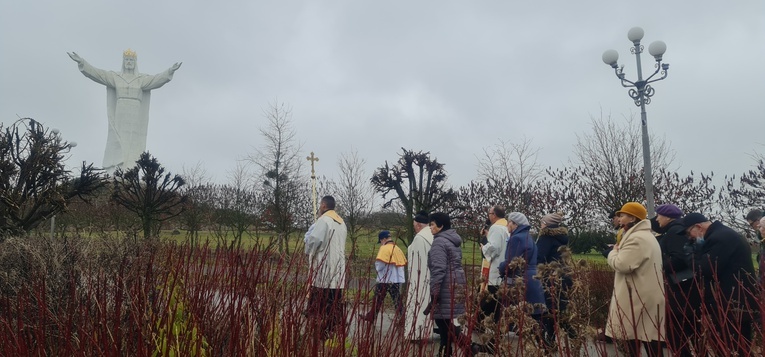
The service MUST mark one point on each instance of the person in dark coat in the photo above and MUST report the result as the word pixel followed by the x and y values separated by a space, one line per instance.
pixel 724 265
pixel 556 278
pixel 683 297
pixel 447 280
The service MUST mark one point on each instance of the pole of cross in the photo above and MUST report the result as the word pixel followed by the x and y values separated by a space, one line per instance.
pixel 313 159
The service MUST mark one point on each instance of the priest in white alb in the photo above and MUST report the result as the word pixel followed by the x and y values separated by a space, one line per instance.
pixel 418 326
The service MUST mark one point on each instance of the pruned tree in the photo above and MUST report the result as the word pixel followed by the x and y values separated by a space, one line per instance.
pixel 354 195
pixel 34 183
pixel 150 193
pixel 280 164
pixel 418 181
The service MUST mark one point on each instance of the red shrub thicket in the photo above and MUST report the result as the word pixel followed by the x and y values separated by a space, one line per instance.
pixel 170 300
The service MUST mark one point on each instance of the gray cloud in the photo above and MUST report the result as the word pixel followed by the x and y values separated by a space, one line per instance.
pixel 444 76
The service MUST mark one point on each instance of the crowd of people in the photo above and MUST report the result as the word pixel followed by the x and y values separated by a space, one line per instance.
pixel 673 273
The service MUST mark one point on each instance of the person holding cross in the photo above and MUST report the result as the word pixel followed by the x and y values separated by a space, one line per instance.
pixel 325 248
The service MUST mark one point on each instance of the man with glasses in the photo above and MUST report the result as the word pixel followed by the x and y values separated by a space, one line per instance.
pixel 494 253
pixel 724 265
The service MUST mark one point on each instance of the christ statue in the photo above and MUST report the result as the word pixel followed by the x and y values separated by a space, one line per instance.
pixel 127 104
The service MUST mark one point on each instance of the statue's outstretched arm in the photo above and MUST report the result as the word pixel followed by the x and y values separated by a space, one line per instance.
pixel 175 67
pixel 95 74
pixel 75 57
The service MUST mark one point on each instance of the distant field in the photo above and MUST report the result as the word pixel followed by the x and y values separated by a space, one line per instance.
pixel 366 245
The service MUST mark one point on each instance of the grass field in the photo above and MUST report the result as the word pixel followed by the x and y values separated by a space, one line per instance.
pixel 366 245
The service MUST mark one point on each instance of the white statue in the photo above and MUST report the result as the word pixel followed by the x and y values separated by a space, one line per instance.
pixel 127 101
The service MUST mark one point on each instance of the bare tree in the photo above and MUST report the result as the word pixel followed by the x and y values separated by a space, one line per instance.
pixel 509 172
pixel 743 193
pixel 511 162
pixel 196 209
pixel 470 209
pixel 610 161
pixel 237 205
pixel 354 194
pixel 279 163
pixel 34 183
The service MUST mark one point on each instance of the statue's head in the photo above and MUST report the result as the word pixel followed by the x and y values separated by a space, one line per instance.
pixel 128 60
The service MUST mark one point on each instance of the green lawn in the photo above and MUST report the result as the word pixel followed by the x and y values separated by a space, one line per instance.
pixel 366 245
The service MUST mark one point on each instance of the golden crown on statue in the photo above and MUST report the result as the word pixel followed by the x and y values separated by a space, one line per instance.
pixel 128 53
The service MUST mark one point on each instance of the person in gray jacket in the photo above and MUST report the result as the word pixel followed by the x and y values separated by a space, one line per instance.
pixel 447 280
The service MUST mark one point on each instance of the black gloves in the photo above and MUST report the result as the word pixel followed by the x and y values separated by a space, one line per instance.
pixel 430 305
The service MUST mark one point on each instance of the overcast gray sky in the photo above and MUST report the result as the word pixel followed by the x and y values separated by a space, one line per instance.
pixel 449 77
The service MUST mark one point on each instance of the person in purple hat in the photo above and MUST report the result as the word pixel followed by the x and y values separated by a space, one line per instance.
pixel 683 299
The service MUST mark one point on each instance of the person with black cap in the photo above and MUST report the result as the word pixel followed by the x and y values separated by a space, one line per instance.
pixel 416 327
pixel 389 263
pixel 724 265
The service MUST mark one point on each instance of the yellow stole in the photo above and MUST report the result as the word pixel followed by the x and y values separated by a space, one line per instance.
pixel 332 214
pixel 389 253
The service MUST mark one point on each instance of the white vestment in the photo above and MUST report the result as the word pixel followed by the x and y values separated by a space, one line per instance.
pixel 418 326
pixel 127 104
pixel 325 247
pixel 494 250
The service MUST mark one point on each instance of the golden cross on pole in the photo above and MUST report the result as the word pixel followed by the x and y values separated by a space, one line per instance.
pixel 313 159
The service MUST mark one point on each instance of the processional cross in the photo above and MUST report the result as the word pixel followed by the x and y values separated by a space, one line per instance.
pixel 313 159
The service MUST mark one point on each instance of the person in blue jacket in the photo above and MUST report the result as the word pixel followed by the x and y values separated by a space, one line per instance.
pixel 521 244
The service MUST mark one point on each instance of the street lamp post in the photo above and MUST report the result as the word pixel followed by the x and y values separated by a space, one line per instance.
pixel 641 92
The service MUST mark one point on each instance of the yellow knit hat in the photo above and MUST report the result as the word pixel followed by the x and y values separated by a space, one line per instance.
pixel 634 209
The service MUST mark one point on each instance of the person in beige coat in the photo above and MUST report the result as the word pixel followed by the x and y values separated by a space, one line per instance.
pixel 637 311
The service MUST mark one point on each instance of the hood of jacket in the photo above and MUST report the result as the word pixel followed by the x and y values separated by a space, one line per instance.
pixel 521 228
pixel 450 235
pixel 560 234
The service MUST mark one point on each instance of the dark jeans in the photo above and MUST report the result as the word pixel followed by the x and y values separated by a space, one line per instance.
pixel 393 289
pixel 490 305
pixel 448 333
pixel 327 308
pixel 734 330
pixel 652 348
pixel 683 302
pixel 556 299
